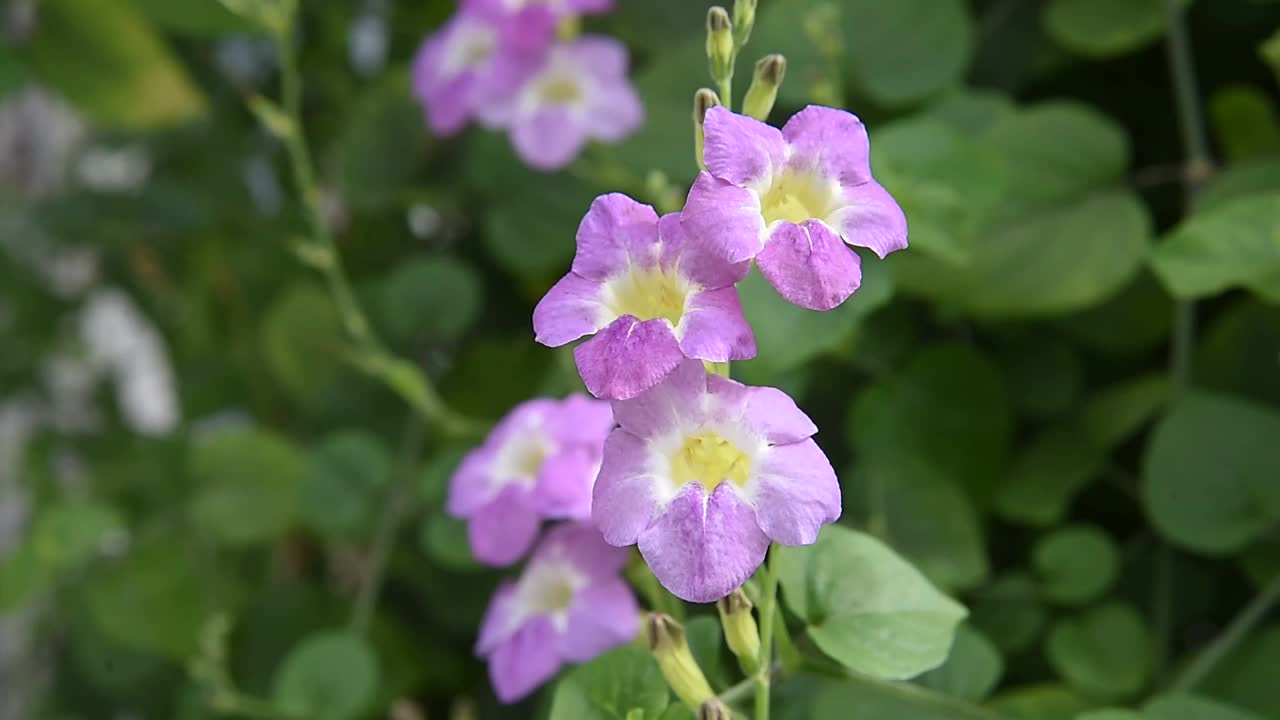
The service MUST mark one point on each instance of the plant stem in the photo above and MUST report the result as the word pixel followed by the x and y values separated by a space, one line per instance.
pixel 374 358
pixel 388 525
pixel 1239 629
pixel 768 604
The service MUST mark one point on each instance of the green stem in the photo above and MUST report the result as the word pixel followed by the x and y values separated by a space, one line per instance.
pixel 375 358
pixel 388 525
pixel 768 605
pixel 726 88
pixel 1240 628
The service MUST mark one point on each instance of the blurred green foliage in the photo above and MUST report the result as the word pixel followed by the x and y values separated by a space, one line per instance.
pixel 998 397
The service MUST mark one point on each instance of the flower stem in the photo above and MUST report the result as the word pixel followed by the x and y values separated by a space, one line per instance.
pixel 1239 629
pixel 374 359
pixel 768 605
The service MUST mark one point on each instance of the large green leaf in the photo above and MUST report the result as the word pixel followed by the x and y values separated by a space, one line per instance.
pixel 381 145
pixel 1040 702
pixel 1191 707
pixel 248 485
pixel 1238 350
pixel 610 686
pixel 342 481
pixel 302 339
pixel 1246 677
pixel 70 532
pixel 1236 244
pixel 972 670
pixel 948 410
pixel 1261 175
pixel 1209 475
pixel 1103 28
pixel 1009 611
pixel 196 17
pixel 1075 564
pixel 433 298
pixel 1103 653
pixel 904 51
pixel 865 606
pixel 104 57
pixel 1244 122
pixel 329 676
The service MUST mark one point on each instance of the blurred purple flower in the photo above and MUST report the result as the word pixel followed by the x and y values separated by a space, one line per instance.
pixel 791 199
pixel 651 296
pixel 569 605
pixel 539 462
pixel 703 472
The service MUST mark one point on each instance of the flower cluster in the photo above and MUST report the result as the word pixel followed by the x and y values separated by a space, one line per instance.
pixel 500 62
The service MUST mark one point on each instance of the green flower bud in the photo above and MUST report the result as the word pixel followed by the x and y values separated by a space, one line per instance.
pixel 770 70
pixel 720 47
pixel 668 644
pixel 703 100
pixel 740 631
pixel 744 18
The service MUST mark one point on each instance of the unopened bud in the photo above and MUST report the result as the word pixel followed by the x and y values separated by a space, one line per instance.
pixel 669 646
pixel 720 44
pixel 703 100
pixel 770 70
pixel 744 18
pixel 740 631
pixel 713 709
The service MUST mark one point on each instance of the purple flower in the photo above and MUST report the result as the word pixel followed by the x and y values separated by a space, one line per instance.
pixel 539 462
pixel 703 472
pixel 789 198
pixel 569 605
pixel 523 10
pixel 579 93
pixel 652 296
pixel 474 62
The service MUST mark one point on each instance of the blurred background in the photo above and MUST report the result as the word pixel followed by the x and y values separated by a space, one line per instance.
pixel 194 474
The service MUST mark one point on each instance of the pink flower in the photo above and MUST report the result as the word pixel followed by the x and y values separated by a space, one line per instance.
pixel 792 199
pixel 539 462
pixel 650 294
pixel 569 605
pixel 703 472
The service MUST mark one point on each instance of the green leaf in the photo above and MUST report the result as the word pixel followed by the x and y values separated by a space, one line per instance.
pixel 903 52
pixel 248 485
pixel 444 539
pixel 195 17
pixel 1114 414
pixel 533 231
pixel 972 670
pixel 381 145
pixel 865 606
pixel 1190 707
pixel 1047 475
pixel 22 576
pixel 1238 353
pixel 1076 564
pixel 1257 176
pixel 788 335
pixel 1110 714
pixel 1104 652
pixel 434 298
pixel 302 339
pixel 155 601
pixel 1134 321
pixel 1063 258
pixel 1246 677
pixel 103 56
pixel 69 532
pixel 922 514
pixel 1045 374
pixel 1058 150
pixel 1009 611
pixel 1103 28
pixel 433 480
pixel 1209 475
pixel 1234 245
pixel 808 698
pixel 948 410
pixel 342 480
pixel 610 686
pixel 329 676
pixel 1040 702
pixel 1244 122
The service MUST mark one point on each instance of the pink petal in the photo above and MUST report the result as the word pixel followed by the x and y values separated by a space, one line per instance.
pixel 616 232
pixel 497 623
pixel 470 488
pixel 693 260
pixel 742 150
pixel 795 492
pixel 702 548
pixel 625 495
pixel 524 662
pixel 582 545
pixel 714 328
pixel 830 141
pixel 569 310
pixel 502 531
pixel 766 412
pixel 548 138
pixel 724 218
pixel 677 399
pixel 564 484
pixel 809 265
pixel 616 112
pixel 872 219
pixel 603 616
pixel 583 420
pixel 627 357
pixel 600 55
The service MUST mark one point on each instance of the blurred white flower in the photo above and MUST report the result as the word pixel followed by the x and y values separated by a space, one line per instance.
pixel 39 134
pixel 107 169
pixel 367 41
pixel 123 343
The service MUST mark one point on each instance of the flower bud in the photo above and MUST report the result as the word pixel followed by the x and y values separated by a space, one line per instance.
pixel 714 709
pixel 703 100
pixel 668 644
pixel 744 18
pixel 770 70
pixel 720 44
pixel 740 631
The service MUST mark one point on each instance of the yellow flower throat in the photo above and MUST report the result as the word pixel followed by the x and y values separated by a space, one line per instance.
pixel 709 459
